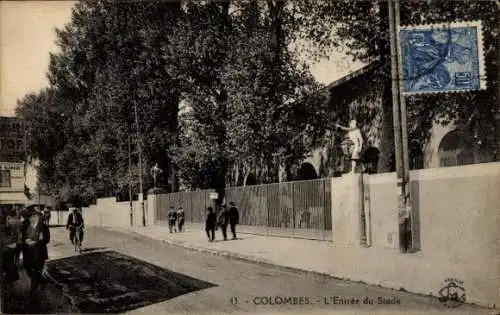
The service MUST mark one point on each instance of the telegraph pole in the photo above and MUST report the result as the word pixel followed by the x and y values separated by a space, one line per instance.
pixel 130 182
pixel 404 139
pixel 400 127
pixel 139 149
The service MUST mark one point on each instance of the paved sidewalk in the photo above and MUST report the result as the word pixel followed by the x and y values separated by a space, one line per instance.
pixel 293 253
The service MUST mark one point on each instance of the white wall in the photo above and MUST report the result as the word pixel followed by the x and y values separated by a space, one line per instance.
pixel 109 212
pixel 458 213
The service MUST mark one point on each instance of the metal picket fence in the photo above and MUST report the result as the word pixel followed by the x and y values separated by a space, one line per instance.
pixel 194 203
pixel 292 209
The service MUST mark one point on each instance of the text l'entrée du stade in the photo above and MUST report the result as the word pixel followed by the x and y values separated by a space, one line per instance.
pixel 306 300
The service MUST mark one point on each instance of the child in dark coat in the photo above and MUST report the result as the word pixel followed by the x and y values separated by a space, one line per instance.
pixel 172 217
pixel 210 224
pixel 224 221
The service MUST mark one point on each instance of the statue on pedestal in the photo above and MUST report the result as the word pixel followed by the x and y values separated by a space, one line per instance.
pixel 155 170
pixel 354 134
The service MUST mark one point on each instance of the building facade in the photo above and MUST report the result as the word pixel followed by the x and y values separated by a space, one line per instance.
pixel 18 179
pixel 452 144
pixel 13 169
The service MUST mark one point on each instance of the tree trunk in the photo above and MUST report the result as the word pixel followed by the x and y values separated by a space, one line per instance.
pixel 386 157
pixel 386 161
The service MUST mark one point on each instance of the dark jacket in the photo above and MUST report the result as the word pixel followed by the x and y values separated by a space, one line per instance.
pixel 181 214
pixel 211 220
pixel 224 217
pixel 172 215
pixel 37 251
pixel 234 216
pixel 79 220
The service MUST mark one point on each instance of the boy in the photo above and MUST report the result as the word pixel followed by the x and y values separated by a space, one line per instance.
pixel 224 221
pixel 180 218
pixel 210 224
pixel 172 217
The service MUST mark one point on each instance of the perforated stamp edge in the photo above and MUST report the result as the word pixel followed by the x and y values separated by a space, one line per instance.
pixel 444 26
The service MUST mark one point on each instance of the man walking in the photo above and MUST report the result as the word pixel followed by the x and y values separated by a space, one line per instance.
pixel 172 217
pixel 210 224
pixel 234 218
pixel 224 221
pixel 180 218
pixel 35 236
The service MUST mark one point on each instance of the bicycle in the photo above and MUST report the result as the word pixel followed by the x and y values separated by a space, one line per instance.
pixel 77 242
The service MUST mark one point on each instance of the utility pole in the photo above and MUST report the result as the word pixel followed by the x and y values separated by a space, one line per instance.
pixel 130 182
pixel 400 127
pixel 139 149
pixel 404 138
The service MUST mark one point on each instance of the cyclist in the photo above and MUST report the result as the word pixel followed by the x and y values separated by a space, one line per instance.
pixel 75 220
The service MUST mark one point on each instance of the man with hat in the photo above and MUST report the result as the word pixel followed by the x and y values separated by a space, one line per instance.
pixel 35 237
pixel 234 218
pixel 180 218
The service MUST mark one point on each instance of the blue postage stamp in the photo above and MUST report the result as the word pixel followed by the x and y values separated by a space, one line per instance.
pixel 442 58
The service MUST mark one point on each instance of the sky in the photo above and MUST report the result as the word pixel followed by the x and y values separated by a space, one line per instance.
pixel 27 35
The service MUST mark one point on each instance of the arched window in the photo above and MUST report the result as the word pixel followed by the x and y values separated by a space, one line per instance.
pixel 251 180
pixel 456 149
pixel 306 172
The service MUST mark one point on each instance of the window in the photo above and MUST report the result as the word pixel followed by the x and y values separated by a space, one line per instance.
pixel 5 178
pixel 456 149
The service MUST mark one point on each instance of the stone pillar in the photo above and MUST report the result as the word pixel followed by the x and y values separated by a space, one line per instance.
pixel 152 205
pixel 346 208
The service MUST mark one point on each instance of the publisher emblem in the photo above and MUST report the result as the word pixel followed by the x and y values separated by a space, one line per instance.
pixel 452 294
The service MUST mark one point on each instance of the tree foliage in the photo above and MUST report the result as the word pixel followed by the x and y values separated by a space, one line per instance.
pixel 110 60
pixel 124 68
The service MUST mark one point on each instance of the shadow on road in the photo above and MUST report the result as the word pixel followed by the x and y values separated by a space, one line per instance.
pixel 110 282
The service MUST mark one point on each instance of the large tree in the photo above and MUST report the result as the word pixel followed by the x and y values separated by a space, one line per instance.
pixel 110 62
pixel 270 99
pixel 196 55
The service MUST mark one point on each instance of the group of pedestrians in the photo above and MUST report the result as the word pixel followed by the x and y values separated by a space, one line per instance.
pixel 176 219
pixel 226 217
pixel 29 236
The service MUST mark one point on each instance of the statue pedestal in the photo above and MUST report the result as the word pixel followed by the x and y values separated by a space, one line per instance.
pixel 346 209
pixel 152 205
